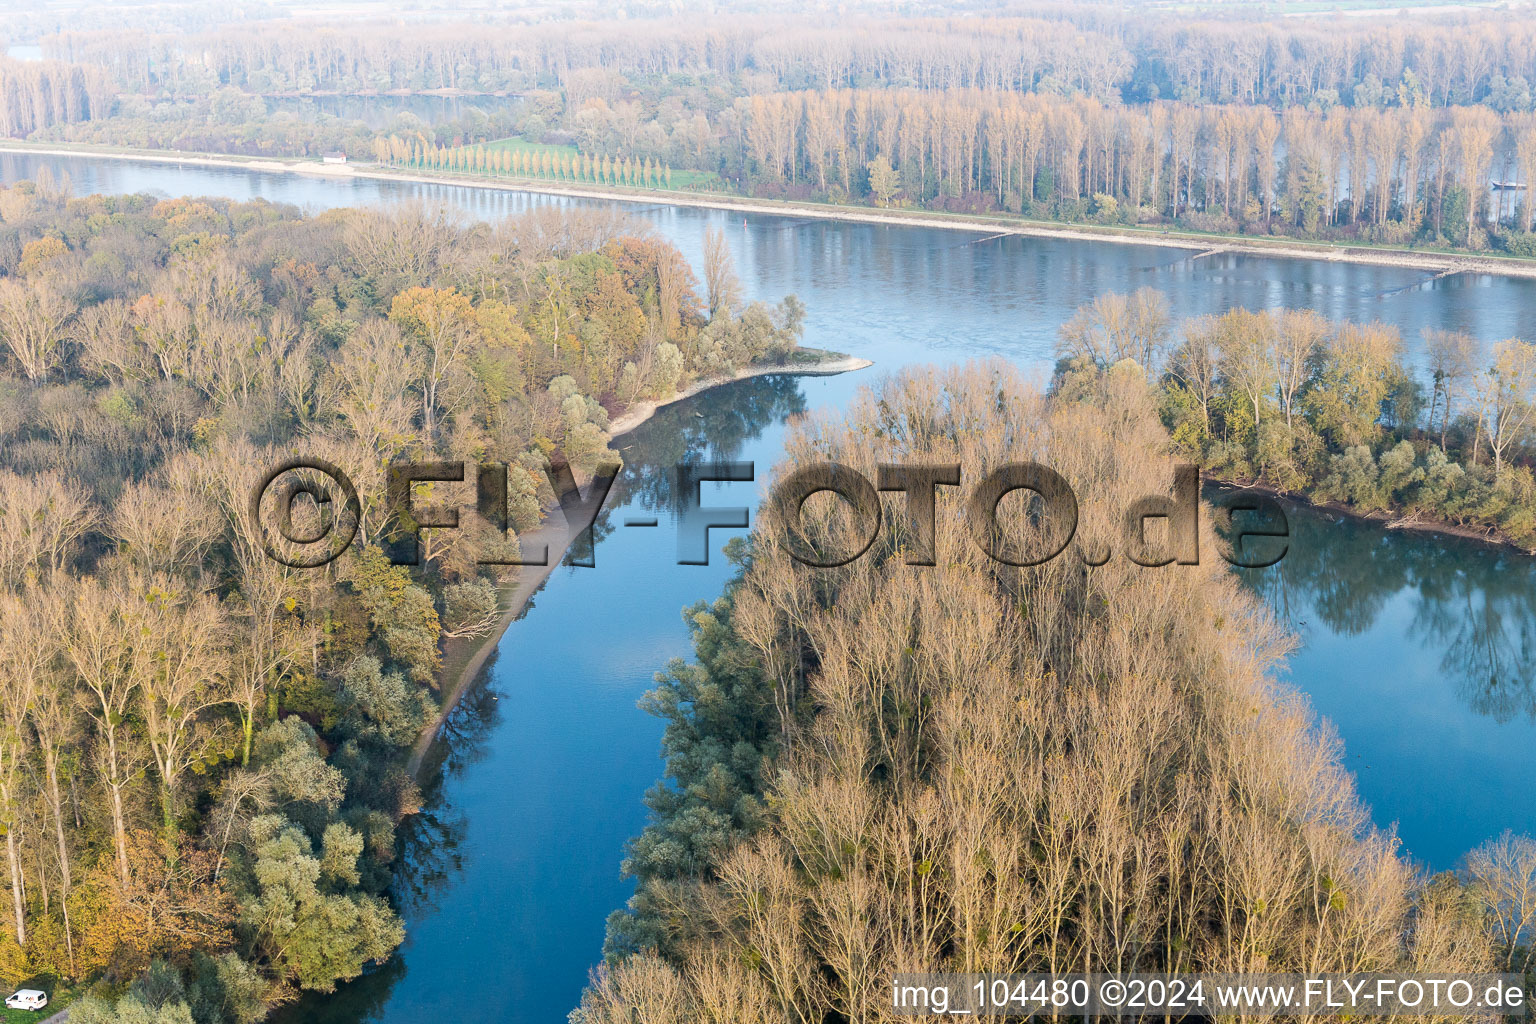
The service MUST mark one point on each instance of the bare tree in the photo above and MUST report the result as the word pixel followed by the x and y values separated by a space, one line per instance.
pixel 179 672
pixel 1195 361
pixel 267 643
pixel 1503 872
pixel 32 324
pixel 720 283
pixel 1114 327
pixel 1473 130
pixel 55 718
pixel 165 528
pixel 1506 391
pixel 1452 357
pixel 98 642
pixel 26 656
pixel 406 242
pixel 1246 342
pixel 1298 335
pixel 42 519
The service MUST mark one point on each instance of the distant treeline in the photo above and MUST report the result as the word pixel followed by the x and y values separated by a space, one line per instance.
pixel 1376 174
pixel 1142 55
pixel 39 94
pixel 1395 176
pixel 1348 129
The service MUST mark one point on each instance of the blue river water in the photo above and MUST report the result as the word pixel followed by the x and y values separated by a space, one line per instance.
pixel 1418 650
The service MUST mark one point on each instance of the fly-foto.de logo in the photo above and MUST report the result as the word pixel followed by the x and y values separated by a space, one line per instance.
pixel 308 512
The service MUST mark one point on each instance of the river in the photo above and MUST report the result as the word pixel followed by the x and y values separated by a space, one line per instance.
pixel 1417 649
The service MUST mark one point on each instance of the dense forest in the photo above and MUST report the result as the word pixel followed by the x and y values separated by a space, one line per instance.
pixel 1360 130
pixel 38 94
pixel 971 766
pixel 202 751
pixel 1105 51
pixel 1332 411
pixel 1392 176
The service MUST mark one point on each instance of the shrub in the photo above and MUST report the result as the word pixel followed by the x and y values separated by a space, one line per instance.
pixel 1518 243
pixel 1354 478
pixel 1400 471
pixel 1215 222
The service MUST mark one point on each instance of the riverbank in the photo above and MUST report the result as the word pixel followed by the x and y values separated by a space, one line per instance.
pixel 1389 519
pixel 992 225
pixel 462 661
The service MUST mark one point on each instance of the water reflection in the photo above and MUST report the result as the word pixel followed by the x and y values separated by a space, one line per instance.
pixel 429 841
pixel 680 433
pixel 1473 606
pixel 428 855
pixel 1490 645
pixel 1421 650
pixel 362 999
pixel 1417 648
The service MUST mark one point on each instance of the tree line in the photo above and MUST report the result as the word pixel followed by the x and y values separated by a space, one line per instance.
pixel 1333 411
pixel 1482 57
pixel 40 94
pixel 971 766
pixel 1389 176
pixel 503 161
pixel 1407 156
pixel 203 751
pixel 1395 176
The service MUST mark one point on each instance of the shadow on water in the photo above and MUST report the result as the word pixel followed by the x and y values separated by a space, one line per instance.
pixel 716 426
pixel 1473 606
pixel 429 841
pixel 1420 649
pixel 359 1000
pixel 427 851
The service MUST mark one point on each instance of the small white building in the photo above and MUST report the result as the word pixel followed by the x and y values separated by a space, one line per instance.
pixel 334 158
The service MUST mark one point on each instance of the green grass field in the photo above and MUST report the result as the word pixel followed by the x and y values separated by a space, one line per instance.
pixel 681 177
pixel 695 179
pixel 21 1016
pixel 517 145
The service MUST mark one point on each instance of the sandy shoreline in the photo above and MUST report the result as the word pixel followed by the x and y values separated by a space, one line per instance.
pixel 998 226
pixel 558 534
pixel 642 411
